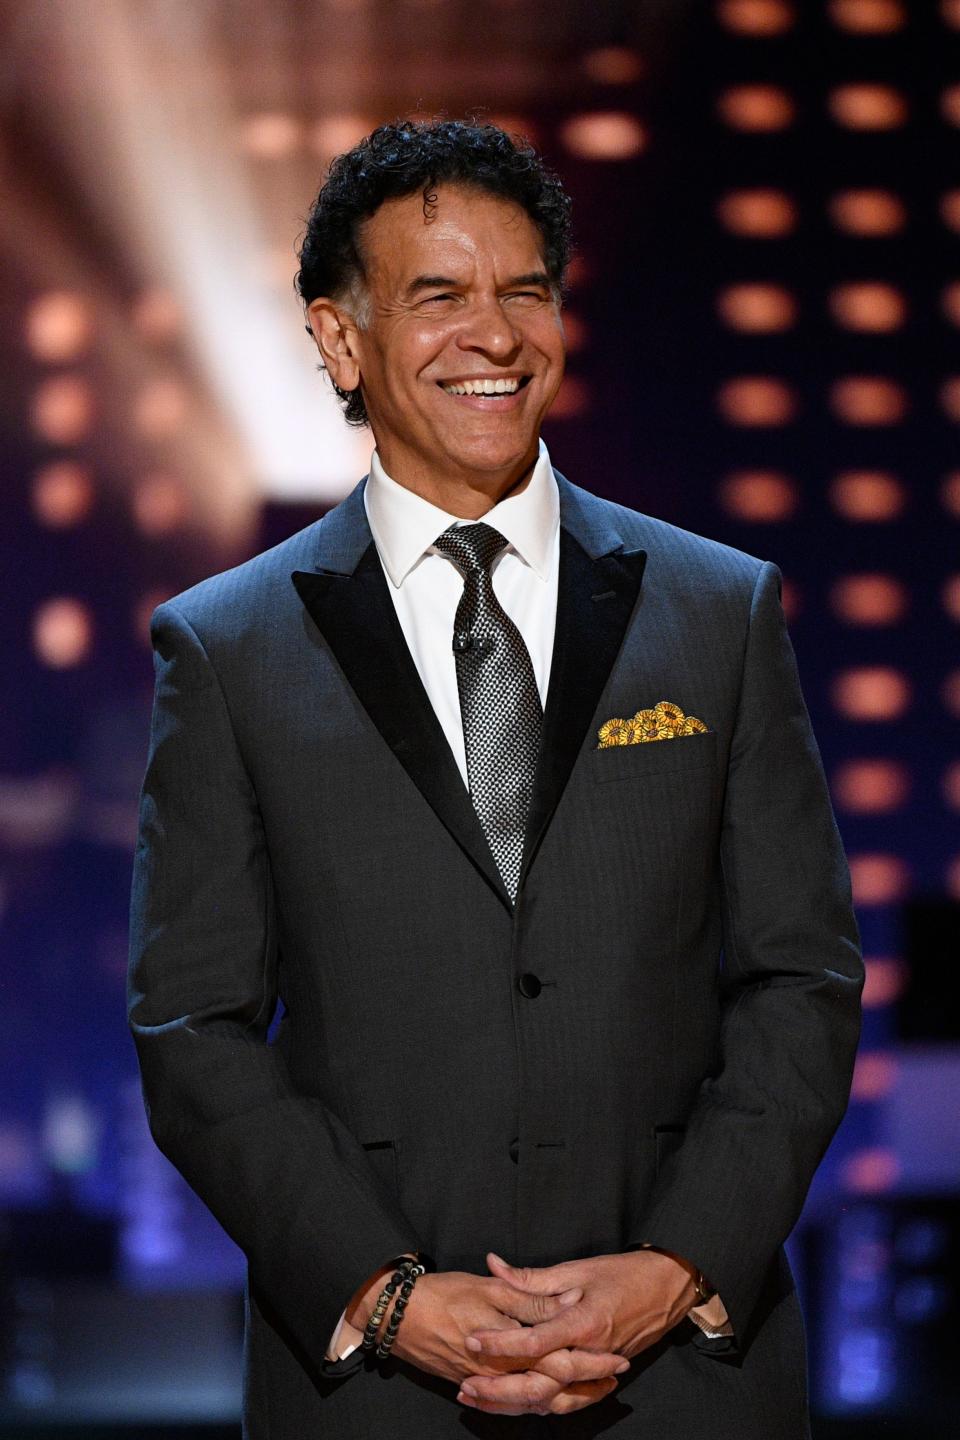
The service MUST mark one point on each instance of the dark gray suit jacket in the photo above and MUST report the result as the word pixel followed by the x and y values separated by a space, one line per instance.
pixel 655 1045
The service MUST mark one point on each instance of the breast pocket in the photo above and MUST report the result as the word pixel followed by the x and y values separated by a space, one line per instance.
pixel 655 757
pixel 382 1155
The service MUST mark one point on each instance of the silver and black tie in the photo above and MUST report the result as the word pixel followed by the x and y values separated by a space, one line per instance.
pixel 499 700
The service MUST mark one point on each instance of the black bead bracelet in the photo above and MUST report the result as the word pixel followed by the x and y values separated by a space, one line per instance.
pixel 383 1300
pixel 407 1283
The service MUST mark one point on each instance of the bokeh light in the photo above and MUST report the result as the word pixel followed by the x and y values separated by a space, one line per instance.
pixel 156 314
pixel 950 595
pixel 950 785
pixel 950 209
pixel 885 981
pixel 62 632
pixel 271 135
pixel 62 494
pixel 757 400
pixel 871 693
pixel 758 214
pixel 874 1075
pixel 160 408
pixel 950 104
pixel 879 879
pixel 756 108
pixel 868 400
pixel 756 17
pixel 870 1171
pixel 868 599
pixel 160 504
pixel 759 496
pixel 612 65
pixel 59 326
pixel 950 493
pixel 604 135
pixel 867 495
pixel 949 396
pixel 869 305
pixel 868 787
pixel 868 17
pixel 868 107
pixel 757 307
pixel 868 212
pixel 62 410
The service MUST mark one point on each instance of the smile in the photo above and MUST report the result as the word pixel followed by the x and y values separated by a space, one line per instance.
pixel 486 386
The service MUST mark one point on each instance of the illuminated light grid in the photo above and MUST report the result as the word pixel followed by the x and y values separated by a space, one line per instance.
pixel 758 214
pixel 868 305
pixel 62 494
pixel 62 632
pixel 868 400
pixel 870 1171
pixel 868 599
pixel 871 693
pixel 879 879
pixel 62 409
pixel 949 397
pixel 867 212
pixel 950 302
pixel 952 878
pixel 573 399
pixel 160 409
pixel 756 108
pixel 868 17
pixel 874 1075
pixel 885 981
pixel 160 504
pixel 157 315
pixel 335 134
pixel 950 493
pixel 756 17
pixel 271 135
pixel 867 107
pixel 950 693
pixel 59 326
pixel 604 135
pixel 868 496
pixel 950 104
pixel 759 496
pixel 950 785
pixel 613 65
pixel 757 307
pixel 870 787
pixel 950 595
pixel 757 400
pixel 950 209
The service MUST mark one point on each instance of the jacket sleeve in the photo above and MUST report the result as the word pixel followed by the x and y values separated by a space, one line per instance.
pixel 279 1170
pixel 790 987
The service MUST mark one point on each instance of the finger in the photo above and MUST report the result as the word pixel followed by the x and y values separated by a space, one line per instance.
pixel 532 1309
pixel 578 1397
pixel 543 1279
pixel 570 1366
pixel 563 1402
pixel 522 1390
pixel 566 1329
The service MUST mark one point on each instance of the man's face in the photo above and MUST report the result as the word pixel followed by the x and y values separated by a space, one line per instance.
pixel 457 299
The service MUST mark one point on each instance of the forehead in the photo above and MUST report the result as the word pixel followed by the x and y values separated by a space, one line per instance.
pixel 459 229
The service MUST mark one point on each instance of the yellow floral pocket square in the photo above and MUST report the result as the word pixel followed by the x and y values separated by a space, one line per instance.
pixel 665 721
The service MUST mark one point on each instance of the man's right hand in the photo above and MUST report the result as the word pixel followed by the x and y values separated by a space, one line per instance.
pixel 445 1306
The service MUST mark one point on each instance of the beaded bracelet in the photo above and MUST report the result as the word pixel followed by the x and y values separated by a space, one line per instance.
pixel 399 1305
pixel 383 1300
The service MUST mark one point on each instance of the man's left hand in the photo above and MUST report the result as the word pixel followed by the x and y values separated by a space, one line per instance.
pixel 629 1301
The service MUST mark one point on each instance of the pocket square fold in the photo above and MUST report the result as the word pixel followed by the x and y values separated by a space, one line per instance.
pixel 665 721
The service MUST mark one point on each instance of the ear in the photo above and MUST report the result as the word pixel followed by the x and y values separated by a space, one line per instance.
pixel 336 335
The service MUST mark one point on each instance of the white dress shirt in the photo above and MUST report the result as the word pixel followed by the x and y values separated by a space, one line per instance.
pixel 425 587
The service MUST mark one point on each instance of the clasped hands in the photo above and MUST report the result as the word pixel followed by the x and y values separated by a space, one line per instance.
pixel 544 1340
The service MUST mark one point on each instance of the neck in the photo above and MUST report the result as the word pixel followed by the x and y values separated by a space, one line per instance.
pixel 468 497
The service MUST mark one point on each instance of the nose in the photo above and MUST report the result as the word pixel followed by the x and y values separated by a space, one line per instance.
pixel 489 330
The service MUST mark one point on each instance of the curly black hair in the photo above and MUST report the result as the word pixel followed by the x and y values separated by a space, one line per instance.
pixel 410 155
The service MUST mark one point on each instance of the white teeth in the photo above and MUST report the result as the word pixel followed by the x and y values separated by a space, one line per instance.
pixel 484 387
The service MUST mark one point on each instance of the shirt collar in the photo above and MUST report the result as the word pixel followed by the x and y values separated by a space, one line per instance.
pixel 405 525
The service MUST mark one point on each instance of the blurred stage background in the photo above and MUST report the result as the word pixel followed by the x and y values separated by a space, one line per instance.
pixel 763 325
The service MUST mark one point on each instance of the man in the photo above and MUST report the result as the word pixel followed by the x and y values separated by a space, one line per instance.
pixel 510 794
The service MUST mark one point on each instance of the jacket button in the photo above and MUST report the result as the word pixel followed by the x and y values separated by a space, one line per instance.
pixel 515 1150
pixel 529 985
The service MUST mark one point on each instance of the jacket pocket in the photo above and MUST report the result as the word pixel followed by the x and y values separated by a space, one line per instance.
pixel 667 1138
pixel 654 757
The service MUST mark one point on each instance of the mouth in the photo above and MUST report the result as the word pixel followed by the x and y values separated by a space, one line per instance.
pixel 486 387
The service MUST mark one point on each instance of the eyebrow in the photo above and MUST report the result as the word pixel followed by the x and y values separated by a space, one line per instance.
pixel 445 282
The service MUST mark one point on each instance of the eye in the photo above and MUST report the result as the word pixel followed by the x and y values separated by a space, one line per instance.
pixel 527 296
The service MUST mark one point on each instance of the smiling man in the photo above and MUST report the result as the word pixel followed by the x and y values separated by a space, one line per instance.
pixel 510 795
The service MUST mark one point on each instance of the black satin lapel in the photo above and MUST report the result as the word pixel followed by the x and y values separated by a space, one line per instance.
pixel 595 600
pixel 357 618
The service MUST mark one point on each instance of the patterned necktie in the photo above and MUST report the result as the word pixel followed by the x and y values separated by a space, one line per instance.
pixel 499 700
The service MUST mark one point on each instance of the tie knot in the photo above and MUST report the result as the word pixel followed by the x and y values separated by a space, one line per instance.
pixel 471 547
